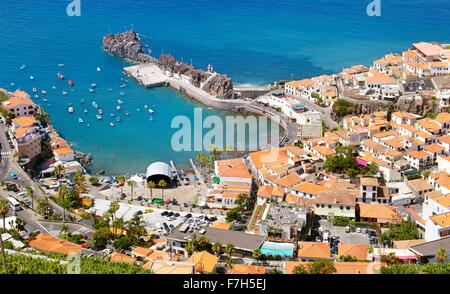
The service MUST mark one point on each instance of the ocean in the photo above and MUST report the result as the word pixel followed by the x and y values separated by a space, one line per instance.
pixel 254 42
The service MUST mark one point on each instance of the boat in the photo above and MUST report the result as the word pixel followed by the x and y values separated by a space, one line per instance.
pixel 145 106
pixel 85 111
pixel 80 120
pixel 99 69
pixel 123 85
pixel 36 96
pixel 94 104
pixel 111 124
pixel 127 113
pixel 109 89
pixel 153 105
pixel 45 100
pixel 119 101
pixel 88 125
pixel 117 107
pixel 82 101
pixel 12 84
pixel 122 93
pixel 93 85
pixel 100 111
pixel 31 78
pixel 64 93
pixel 23 67
pixel 61 64
pixel 54 87
pixel 150 111
pixel 138 109
pixel 60 76
pixel 117 119
pixel 98 116
pixel 44 92
pixel 34 90
pixel 71 109
pixel 91 90
pixel 151 117
pixel 70 83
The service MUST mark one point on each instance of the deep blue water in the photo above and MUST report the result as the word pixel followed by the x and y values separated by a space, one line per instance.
pixel 253 41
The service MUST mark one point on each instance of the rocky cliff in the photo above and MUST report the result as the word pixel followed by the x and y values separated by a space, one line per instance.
pixel 216 85
pixel 126 45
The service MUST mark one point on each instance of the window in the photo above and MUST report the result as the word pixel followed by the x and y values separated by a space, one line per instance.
pixel 348 207
pixel 342 207
pixel 329 206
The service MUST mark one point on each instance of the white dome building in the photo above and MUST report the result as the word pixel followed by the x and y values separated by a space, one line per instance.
pixel 159 171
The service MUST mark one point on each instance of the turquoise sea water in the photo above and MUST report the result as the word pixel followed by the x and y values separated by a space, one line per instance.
pixel 253 41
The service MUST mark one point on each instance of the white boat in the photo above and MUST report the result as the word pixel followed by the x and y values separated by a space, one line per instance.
pixel 122 93
pixel 12 84
pixel 111 124
pixel 118 119
pixel 34 90
pixel 85 111
pixel 45 100
pixel 61 65
pixel 64 93
pixel 100 111
pixel 93 85
pixel 82 101
pixel 117 107
pixel 145 106
pixel 109 89
pixel 94 104
pixel 91 90
pixel 80 120
pixel 36 96
pixel 88 125
pixel 23 67
pixel 31 78
pixel 138 109
pixel 98 116
pixel 111 114
pixel 44 92
pixel 119 101
pixel 150 111
pixel 151 117
pixel 54 87
pixel 71 109
pixel 123 85
pixel 99 69
pixel 127 113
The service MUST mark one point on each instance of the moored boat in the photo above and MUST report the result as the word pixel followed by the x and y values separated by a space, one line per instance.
pixel 80 120
pixel 151 111
pixel 117 107
pixel 70 109
pixel 70 83
pixel 60 76
pixel 111 124
pixel 98 116
pixel 34 90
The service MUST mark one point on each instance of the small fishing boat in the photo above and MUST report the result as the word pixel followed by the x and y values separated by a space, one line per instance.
pixel 98 116
pixel 64 93
pixel 100 111
pixel 145 106
pixel 70 109
pixel 61 64
pixel 45 100
pixel 119 101
pixel 111 124
pixel 91 90
pixel 70 83
pixel 93 85
pixel 150 111
pixel 118 119
pixel 34 90
pixel 82 101
pixel 12 84
pixel 117 107
pixel 151 118
pixel 72 90
pixel 94 104
pixel 36 96
pixel 23 67
pixel 99 69
pixel 80 120
pixel 85 111
pixel 122 93
pixel 109 89
pixel 127 113
pixel 54 87
pixel 153 105
pixel 138 109
pixel 88 125
pixel 31 78
pixel 44 92
pixel 60 76
pixel 123 85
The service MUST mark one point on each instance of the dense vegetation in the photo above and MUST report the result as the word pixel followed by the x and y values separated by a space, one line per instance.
pixel 344 162
pixel 342 108
pixel 408 269
pixel 21 264
pixel 406 230
pixel 321 266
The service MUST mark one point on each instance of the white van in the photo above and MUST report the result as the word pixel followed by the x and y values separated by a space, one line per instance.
pixel 326 236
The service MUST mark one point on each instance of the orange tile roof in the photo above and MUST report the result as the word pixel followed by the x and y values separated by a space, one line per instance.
pixel 204 261
pixel 24 121
pixel 443 117
pixel 240 269
pixel 13 102
pixel 445 139
pixel 428 49
pixel 20 132
pixel 442 220
pixel 346 268
pixel 299 200
pixel 419 154
pixel 63 150
pixel 420 185
pixel 360 251
pixel 434 148
pixel 379 211
pixel 443 200
pixel 120 257
pixel 141 251
pixel 221 225
pixel 269 191
pixel 49 243
pixel 310 188
pixel 288 180
pixel 233 168
pixel 380 79
pixel 313 250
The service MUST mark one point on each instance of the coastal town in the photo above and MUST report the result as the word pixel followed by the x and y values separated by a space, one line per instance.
pixel 358 184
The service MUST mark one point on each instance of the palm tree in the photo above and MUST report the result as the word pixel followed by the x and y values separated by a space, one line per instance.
pixel 121 181
pixel 113 208
pixel 190 247
pixel 131 183
pixel 162 184
pixel 217 248
pixel 5 266
pixel 64 229
pixel 151 185
pixel 256 254
pixel 30 193
pixel 441 254
pixel 229 262
pixel 118 223
pixel 202 159
pixel 59 169
pixel 229 249
pixel 64 203
pixel 5 207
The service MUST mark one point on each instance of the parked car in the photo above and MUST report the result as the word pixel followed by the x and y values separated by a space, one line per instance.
pixel 86 245
pixel 167 201
pixel 107 251
pixel 365 231
pixel 188 215
pixel 170 213
pixel 14 176
pixel 358 230
pixel 164 213
pixel 139 198
pixel 148 210
pixel 139 212
pixel 186 181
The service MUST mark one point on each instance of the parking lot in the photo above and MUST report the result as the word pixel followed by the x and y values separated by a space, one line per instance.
pixel 154 220
pixel 349 238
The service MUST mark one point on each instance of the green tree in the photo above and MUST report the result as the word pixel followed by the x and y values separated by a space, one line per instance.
pixel 102 236
pixel 5 208
pixel 64 229
pixel 59 170
pixel 121 182
pixel 113 208
pixel 190 247
pixel 151 185
pixel 44 208
pixel 217 248
pixel 406 230
pixel 229 262
pixel 233 215
pixel 229 249
pixel 347 258
pixel 320 266
pixel 123 243
pixel 94 181
pixel 131 184
pixel 162 184
pixel 441 254
pixel 300 270
pixel 20 224
pixel 256 254
pixel 30 193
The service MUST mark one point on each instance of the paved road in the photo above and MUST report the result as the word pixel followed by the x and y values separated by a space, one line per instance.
pixel 5 154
